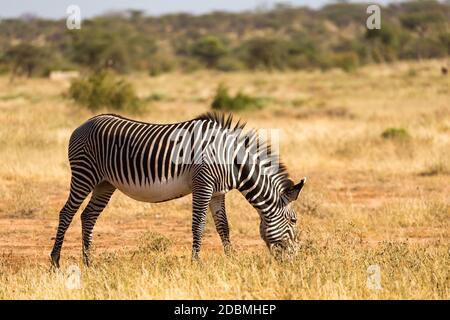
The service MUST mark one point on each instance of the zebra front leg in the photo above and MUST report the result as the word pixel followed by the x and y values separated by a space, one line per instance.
pixel 217 206
pixel 99 199
pixel 201 196
pixel 77 195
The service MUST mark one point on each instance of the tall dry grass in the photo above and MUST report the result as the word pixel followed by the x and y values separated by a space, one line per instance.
pixel 369 200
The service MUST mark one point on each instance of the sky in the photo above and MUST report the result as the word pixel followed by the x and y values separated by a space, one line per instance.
pixel 56 9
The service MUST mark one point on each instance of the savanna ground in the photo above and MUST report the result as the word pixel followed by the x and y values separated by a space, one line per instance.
pixel 369 199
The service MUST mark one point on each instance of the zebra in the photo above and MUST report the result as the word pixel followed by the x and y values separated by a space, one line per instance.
pixel 206 156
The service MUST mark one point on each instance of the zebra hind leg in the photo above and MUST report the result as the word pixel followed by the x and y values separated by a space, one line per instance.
pixel 217 206
pixel 100 197
pixel 77 195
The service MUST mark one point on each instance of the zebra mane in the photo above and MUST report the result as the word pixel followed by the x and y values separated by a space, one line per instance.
pixel 226 121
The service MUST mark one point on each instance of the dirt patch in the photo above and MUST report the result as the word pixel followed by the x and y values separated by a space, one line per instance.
pixel 32 238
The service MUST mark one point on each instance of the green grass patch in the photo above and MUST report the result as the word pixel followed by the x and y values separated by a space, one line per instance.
pixel 395 134
pixel 156 96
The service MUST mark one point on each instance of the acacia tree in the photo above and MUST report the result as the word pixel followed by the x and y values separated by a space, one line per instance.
pixel 25 59
pixel 209 49
pixel 121 49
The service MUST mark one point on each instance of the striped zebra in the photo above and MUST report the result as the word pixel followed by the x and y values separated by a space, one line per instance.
pixel 206 156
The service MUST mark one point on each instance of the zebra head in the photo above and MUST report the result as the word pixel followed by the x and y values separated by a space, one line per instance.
pixel 278 228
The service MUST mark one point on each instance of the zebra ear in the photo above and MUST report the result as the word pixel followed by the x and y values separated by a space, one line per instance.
pixel 292 193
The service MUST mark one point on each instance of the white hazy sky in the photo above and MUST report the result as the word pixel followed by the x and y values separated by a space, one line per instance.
pixel 89 8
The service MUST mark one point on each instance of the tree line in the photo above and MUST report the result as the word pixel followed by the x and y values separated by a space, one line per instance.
pixel 284 37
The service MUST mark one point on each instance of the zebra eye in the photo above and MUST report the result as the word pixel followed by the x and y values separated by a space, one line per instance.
pixel 294 220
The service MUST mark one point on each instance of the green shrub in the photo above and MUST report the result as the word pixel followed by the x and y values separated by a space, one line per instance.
pixel 395 133
pixel 104 90
pixel 224 101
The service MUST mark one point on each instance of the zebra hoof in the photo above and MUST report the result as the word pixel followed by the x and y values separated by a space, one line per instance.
pixel 86 262
pixel 229 250
pixel 54 262
pixel 195 258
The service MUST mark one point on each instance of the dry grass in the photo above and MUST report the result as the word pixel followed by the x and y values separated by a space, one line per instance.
pixel 369 200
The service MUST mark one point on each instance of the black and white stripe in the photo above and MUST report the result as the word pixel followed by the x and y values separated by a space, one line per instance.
pixel 206 156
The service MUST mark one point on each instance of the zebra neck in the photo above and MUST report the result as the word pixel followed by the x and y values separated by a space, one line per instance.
pixel 257 187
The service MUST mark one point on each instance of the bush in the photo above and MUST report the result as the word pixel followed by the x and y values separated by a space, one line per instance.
pixel 395 133
pixel 104 90
pixel 223 101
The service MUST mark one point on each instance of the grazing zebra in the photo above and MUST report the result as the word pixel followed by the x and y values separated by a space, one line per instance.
pixel 206 156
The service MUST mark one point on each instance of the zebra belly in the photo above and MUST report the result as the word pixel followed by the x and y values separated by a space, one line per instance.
pixel 157 191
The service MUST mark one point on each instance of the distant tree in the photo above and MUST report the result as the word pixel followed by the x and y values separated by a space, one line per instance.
pixel 424 48
pixel 136 14
pixel 445 40
pixel 383 44
pixel 97 48
pixel 303 51
pixel 100 47
pixel 343 13
pixel 269 53
pixel 24 59
pixel 209 50
pixel 423 21
pixel 385 35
